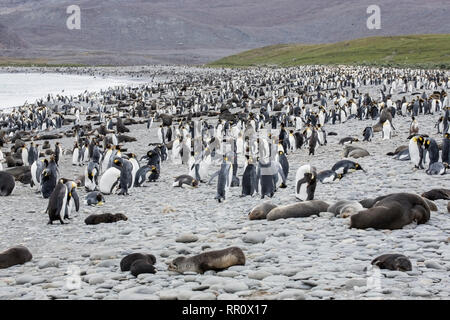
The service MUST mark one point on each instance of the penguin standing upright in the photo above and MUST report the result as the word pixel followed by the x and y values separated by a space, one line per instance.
pixel 58 204
pixel 25 156
pixel 446 149
pixel 413 127
pixel 72 199
pixel 368 134
pixel 49 178
pixel 386 133
pixel 126 171
pixel 109 180
pixel 282 159
pixel 36 171
pixel 33 154
pixel 249 186
pixel 431 150
pixel 91 176
pixel 305 182
pixel 416 151
pixel 76 155
pixel 225 176
pixel 57 152
pixel 313 140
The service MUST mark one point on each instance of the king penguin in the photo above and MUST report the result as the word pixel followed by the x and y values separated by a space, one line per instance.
pixel 305 182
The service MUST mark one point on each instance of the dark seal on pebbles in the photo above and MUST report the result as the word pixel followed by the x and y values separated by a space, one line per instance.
pixel 298 210
pixel 125 263
pixel 261 211
pixel 437 194
pixel 14 256
pixel 211 260
pixel 393 212
pixel 105 218
pixel 396 262
pixel 141 266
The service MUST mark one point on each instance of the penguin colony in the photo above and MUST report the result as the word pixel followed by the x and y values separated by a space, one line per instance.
pixel 235 134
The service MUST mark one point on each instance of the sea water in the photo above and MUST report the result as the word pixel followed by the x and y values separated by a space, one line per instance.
pixel 18 88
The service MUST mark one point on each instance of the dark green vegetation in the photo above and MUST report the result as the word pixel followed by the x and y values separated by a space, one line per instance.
pixel 420 51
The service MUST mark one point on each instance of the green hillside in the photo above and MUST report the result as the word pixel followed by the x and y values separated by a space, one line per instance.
pixel 424 51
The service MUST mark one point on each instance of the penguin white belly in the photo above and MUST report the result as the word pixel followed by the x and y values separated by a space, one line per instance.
pixel 63 207
pixel 414 153
pixel 328 179
pixel 133 172
pixel 75 155
pixel 25 157
pixel 292 143
pixel 386 132
pixel 108 179
pixel 105 161
pixel 303 194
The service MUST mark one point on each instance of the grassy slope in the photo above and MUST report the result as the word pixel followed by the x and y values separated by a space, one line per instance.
pixel 409 51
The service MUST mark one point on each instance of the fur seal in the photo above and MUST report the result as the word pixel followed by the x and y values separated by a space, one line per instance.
pixel 436 194
pixel 212 260
pixel 141 266
pixel 14 256
pixel 260 211
pixel 369 203
pixel 395 262
pixel 7 183
pixel 298 210
pixel 105 218
pixel 355 152
pixel 345 208
pixel 126 262
pixel 393 212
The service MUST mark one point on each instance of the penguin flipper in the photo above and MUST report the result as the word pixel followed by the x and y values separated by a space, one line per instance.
pixel 76 199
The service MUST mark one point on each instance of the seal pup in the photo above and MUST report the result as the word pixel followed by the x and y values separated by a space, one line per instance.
pixel 212 260
pixel 394 211
pixel 260 211
pixel 14 256
pixel 395 262
pixel 185 179
pixel 94 219
pixel 127 261
pixel 7 183
pixel 298 210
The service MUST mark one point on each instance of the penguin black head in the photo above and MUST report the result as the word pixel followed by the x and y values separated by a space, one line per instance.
pixel 339 176
pixel 195 183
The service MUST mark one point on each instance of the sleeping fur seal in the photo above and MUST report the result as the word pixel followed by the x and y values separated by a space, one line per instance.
pixel 396 262
pixel 345 208
pixel 369 203
pixel 126 262
pixel 298 210
pixel 211 260
pixel 105 218
pixel 14 256
pixel 260 211
pixel 355 152
pixel 393 212
pixel 437 194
